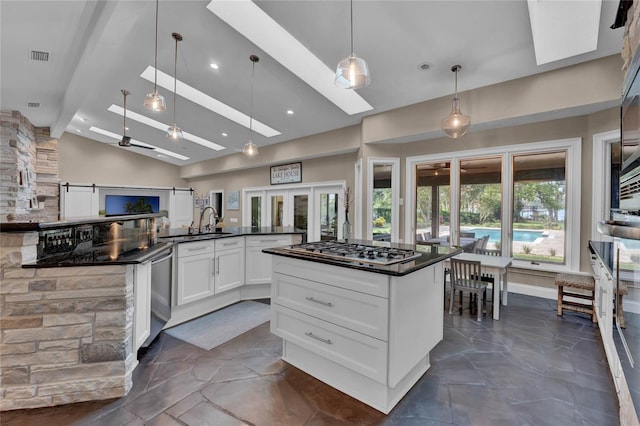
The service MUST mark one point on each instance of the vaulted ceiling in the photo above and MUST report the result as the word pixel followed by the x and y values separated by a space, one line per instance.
pixel 97 48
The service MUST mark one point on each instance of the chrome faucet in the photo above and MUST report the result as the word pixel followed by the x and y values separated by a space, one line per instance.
pixel 214 212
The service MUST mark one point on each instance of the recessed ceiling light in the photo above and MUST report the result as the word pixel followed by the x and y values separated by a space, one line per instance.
pixel 251 21
pixel 206 101
pixel 225 134
pixel 162 126
pixel 290 111
pixel 214 66
pixel 424 66
pixel 137 142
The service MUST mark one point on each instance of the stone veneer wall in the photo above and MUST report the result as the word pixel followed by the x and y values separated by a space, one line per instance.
pixel 29 188
pixel 631 38
pixel 65 333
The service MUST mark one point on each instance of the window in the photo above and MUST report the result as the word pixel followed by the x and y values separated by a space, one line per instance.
pixel 525 198
pixel 384 193
pixel 539 206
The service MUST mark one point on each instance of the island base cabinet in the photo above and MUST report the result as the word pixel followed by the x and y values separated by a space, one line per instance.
pixel 344 346
pixel 371 392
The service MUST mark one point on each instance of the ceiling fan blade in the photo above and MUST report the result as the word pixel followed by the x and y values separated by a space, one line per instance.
pixel 135 145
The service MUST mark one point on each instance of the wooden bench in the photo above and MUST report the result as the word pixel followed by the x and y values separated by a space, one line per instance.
pixel 577 282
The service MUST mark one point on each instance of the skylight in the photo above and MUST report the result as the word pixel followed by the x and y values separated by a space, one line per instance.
pixel 137 142
pixel 253 23
pixel 206 101
pixel 161 126
pixel 562 29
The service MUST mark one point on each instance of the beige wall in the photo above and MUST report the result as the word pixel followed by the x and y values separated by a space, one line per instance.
pixel 323 169
pixel 83 160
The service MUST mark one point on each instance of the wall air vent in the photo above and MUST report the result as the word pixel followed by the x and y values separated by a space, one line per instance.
pixel 39 56
pixel 33 104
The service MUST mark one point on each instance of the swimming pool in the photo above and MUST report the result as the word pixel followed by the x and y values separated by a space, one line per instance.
pixel 518 235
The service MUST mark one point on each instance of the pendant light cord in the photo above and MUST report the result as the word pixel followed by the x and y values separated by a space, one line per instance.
pixel 253 68
pixel 155 63
pixel 351 7
pixel 124 116
pixel 456 85
pixel 175 78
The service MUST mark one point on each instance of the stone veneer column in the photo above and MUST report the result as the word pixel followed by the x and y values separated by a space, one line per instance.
pixel 29 168
pixel 65 333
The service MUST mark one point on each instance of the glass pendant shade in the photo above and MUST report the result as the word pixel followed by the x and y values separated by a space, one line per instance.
pixel 155 102
pixel 456 124
pixel 352 73
pixel 250 149
pixel 174 132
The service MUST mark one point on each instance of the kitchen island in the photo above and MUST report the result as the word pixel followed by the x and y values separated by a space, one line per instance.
pixel 359 323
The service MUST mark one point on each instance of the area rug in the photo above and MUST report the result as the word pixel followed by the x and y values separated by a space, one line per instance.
pixel 223 325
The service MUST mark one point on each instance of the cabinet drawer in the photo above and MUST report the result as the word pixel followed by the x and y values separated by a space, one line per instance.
pixel 229 243
pixel 357 311
pixel 349 279
pixel 363 354
pixel 267 241
pixel 199 247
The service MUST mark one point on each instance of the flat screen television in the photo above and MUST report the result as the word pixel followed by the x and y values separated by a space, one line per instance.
pixel 118 205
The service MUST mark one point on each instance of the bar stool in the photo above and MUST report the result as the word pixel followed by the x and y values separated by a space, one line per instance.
pixel 578 282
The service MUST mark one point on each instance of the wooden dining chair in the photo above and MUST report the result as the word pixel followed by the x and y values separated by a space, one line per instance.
pixel 465 276
pixel 489 278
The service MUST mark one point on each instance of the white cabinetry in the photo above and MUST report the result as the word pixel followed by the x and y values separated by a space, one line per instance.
pixel 142 303
pixel 195 277
pixel 366 334
pixel 258 270
pixel 79 201
pixel 229 264
pixel 180 208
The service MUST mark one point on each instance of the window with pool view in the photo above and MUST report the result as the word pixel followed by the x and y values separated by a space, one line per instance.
pixel 539 206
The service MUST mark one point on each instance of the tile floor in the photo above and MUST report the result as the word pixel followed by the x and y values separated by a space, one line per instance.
pixel 529 368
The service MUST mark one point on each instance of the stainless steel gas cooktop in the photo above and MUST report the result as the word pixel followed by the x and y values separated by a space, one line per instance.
pixel 360 253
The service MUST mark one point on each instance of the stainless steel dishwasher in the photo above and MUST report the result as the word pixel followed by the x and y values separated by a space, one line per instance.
pixel 161 277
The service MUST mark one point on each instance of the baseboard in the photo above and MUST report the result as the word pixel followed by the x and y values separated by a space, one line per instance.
pixel 632 306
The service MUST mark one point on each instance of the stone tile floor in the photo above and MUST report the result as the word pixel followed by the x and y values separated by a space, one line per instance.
pixel 529 368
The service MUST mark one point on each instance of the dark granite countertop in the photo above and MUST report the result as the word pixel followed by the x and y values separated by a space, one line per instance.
pixel 430 255
pixel 182 235
pixel 104 255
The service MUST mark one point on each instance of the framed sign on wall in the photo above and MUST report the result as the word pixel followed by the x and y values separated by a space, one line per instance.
pixel 286 173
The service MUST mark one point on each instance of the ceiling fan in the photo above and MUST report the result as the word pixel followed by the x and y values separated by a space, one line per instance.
pixel 126 140
pixel 446 167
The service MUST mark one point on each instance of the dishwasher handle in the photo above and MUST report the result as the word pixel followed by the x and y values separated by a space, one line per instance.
pixel 163 258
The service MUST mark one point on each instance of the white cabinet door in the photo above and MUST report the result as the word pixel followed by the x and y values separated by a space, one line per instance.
pixel 258 264
pixel 195 277
pixel 229 272
pixel 78 201
pixel 142 303
pixel 180 208
pixel 229 269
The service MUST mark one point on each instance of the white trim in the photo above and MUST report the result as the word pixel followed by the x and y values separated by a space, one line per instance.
pixel 601 188
pixel 395 195
pixel 357 200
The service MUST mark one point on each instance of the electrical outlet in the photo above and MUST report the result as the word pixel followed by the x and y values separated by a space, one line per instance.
pixel 233 219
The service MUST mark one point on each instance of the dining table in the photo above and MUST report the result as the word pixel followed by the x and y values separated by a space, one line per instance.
pixel 496 266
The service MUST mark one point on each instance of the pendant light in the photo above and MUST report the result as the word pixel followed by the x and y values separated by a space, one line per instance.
pixel 174 132
pixel 456 124
pixel 250 149
pixel 155 101
pixel 352 72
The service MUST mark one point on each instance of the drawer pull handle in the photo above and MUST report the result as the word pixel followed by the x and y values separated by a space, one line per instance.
pixel 311 299
pixel 197 248
pixel 313 336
